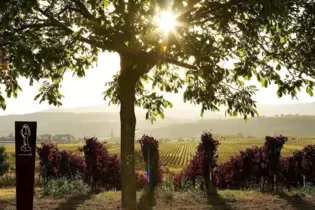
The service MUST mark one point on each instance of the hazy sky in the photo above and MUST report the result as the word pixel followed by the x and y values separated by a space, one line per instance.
pixel 88 91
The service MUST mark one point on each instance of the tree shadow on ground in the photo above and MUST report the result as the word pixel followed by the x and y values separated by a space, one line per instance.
pixel 7 204
pixel 74 202
pixel 147 201
pixel 297 201
pixel 217 202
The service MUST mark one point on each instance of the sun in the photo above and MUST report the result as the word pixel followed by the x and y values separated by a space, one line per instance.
pixel 166 21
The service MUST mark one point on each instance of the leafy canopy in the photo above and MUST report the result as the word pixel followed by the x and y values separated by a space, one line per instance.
pixel 43 39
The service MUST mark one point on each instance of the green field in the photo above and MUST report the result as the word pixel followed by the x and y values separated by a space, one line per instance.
pixel 176 155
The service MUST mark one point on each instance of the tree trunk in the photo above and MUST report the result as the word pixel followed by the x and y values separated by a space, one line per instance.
pixel 132 68
pixel 127 82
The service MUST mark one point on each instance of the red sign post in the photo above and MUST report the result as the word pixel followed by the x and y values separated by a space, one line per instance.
pixel 25 146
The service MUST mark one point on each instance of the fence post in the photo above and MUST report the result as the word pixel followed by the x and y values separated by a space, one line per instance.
pixel 303 181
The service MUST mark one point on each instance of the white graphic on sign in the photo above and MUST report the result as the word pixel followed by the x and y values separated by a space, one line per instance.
pixel 29 154
pixel 26 133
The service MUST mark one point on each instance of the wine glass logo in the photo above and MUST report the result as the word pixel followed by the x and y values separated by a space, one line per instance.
pixel 26 133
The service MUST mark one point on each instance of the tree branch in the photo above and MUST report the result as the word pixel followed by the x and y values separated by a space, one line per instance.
pixel 178 63
pixel 118 49
pixel 61 25
pixel 85 12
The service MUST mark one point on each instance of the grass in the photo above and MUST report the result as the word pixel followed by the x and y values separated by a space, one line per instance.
pixel 7 194
pixel 227 199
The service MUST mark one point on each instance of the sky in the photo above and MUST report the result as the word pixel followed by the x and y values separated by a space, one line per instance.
pixel 88 91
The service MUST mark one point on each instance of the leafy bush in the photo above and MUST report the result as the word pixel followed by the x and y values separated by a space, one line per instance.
pixel 252 164
pixel 308 163
pixel 292 169
pixel 64 187
pixel 178 179
pixel 71 165
pixel 4 161
pixel 203 163
pixel 102 169
pixel 12 162
pixel 8 181
pixel 142 181
pixel 273 146
pixel 54 164
pixel 246 167
pixel 50 158
pixel 151 156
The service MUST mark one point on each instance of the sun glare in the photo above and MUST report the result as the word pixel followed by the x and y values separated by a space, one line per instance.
pixel 166 21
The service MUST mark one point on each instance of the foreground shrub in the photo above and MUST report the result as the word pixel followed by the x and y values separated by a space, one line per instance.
pixel 247 167
pixel 55 164
pixel 9 181
pixel 71 165
pixel 103 169
pixel 64 187
pixel 292 169
pixel 251 165
pixel 203 163
pixel 142 181
pixel 273 146
pixel 151 156
pixel 4 161
pixel 308 163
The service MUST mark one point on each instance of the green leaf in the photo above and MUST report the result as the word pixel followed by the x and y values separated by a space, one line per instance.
pixel 106 4
pixel 282 40
pixel 309 91
pixel 278 67
pixel 21 16
pixel 264 82
pixel 241 53
pixel 76 34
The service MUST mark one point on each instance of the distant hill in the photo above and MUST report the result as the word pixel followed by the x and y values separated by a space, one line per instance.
pixel 181 121
pixel 258 127
pixel 188 111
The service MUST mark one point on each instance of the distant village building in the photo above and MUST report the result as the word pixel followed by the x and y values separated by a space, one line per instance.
pixel 7 140
pixel 61 138
pixel 44 137
pixel 64 138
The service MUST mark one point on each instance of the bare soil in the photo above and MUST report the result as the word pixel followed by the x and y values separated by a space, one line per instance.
pixel 226 200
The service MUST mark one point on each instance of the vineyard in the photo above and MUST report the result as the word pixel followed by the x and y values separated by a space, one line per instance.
pixel 178 154
pixel 61 163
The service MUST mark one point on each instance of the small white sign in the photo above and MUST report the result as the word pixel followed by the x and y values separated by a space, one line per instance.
pixel 26 133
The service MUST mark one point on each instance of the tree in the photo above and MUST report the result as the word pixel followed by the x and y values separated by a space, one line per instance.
pixel 44 39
